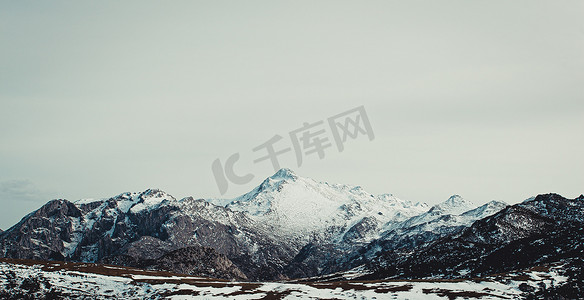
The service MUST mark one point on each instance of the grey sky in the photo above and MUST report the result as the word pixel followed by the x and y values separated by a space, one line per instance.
pixel 484 99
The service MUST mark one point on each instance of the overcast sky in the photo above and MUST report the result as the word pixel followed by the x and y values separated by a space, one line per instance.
pixel 479 98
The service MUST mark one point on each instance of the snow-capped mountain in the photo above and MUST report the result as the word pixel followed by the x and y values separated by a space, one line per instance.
pixel 448 217
pixel 302 208
pixel 545 229
pixel 455 205
pixel 287 227
pixel 260 232
pixel 440 220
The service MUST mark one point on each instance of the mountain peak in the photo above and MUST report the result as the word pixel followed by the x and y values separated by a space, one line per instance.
pixel 152 192
pixel 455 205
pixel 549 197
pixel 136 201
pixel 496 203
pixel 486 209
pixel 284 173
pixel 455 199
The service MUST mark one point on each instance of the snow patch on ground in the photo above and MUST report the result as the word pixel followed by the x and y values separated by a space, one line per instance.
pixel 77 284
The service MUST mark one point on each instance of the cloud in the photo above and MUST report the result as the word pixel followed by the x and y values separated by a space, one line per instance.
pixel 20 190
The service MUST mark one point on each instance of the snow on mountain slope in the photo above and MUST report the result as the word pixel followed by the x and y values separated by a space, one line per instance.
pixel 439 221
pixel 148 199
pixel 455 205
pixel 298 206
pixel 484 210
pixel 446 221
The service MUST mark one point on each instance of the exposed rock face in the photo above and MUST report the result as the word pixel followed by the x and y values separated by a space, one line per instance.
pixel 199 261
pixel 314 259
pixel 42 234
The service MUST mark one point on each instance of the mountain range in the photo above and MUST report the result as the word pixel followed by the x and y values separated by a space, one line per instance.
pixel 291 227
